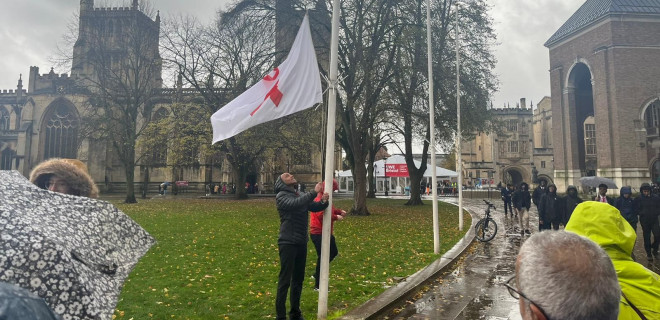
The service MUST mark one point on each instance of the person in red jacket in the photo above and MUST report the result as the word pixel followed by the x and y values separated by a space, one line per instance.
pixel 316 230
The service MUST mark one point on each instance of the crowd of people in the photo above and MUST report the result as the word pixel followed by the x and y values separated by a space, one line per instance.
pixel 556 210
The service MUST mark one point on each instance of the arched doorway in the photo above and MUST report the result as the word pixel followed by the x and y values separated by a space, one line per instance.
pixel 581 100
pixel 59 130
pixel 513 176
pixel 655 171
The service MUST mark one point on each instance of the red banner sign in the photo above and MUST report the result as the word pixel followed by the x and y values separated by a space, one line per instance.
pixel 396 170
pixel 182 183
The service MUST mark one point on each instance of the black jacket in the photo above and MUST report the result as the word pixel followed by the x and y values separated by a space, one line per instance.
pixel 551 207
pixel 570 203
pixel 538 194
pixel 294 208
pixel 521 197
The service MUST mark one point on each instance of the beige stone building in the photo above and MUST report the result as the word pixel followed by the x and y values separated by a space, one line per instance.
pixel 605 93
pixel 522 151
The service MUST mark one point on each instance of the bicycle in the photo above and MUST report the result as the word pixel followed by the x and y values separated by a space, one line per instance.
pixel 486 229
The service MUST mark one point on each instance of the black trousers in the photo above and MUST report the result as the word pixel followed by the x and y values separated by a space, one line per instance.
pixel 292 274
pixel 650 225
pixel 507 205
pixel 317 240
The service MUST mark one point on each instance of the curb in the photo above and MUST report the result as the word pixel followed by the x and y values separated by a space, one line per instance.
pixel 395 295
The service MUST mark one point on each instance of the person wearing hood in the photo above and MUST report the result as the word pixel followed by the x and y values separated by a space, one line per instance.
pixel 571 200
pixel 640 286
pixel 293 208
pixel 521 203
pixel 539 192
pixel 647 207
pixel 68 176
pixel 551 210
pixel 602 195
pixel 506 198
pixel 316 232
pixel 625 205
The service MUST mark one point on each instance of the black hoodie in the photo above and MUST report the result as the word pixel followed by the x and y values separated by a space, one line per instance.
pixel 551 207
pixel 294 208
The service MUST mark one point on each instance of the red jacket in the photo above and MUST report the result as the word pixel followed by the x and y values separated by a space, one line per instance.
pixel 316 218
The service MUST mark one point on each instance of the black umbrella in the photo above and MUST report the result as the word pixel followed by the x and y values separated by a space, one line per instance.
pixel 596 181
pixel 17 303
pixel 74 252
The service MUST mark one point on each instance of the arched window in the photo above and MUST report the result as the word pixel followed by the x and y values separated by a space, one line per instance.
pixel 652 116
pixel 159 156
pixel 60 131
pixel 6 157
pixel 4 119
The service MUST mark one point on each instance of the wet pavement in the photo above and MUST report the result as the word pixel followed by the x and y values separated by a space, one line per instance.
pixel 474 288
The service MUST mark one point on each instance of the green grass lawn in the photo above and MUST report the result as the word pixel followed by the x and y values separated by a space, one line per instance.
pixel 218 259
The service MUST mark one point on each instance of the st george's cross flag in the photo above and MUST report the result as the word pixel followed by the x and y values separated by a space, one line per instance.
pixel 293 86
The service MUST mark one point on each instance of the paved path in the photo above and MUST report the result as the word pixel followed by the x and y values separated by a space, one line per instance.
pixel 474 290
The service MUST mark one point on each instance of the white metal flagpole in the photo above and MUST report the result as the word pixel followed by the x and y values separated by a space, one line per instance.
pixel 459 165
pixel 434 178
pixel 329 164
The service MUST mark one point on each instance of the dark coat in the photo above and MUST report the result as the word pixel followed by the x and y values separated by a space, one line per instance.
pixel 538 194
pixel 506 194
pixel 551 207
pixel 294 208
pixel 570 201
pixel 521 198
pixel 626 206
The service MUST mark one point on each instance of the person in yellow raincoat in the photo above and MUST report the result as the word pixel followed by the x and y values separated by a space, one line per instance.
pixel 603 224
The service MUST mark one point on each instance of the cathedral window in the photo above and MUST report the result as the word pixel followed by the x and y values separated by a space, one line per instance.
pixel 4 119
pixel 6 158
pixel 60 132
pixel 159 156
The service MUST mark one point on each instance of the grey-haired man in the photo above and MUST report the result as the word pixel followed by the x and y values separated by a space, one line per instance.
pixel 561 275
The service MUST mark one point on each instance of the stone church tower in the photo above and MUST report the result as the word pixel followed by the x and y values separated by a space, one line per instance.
pixel 605 93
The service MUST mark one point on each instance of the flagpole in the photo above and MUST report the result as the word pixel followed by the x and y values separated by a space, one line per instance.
pixel 459 165
pixel 434 178
pixel 329 164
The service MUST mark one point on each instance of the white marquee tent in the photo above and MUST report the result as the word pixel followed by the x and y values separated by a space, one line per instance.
pixel 397 178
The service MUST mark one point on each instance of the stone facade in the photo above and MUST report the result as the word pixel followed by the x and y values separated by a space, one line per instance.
pixel 603 71
pixel 521 151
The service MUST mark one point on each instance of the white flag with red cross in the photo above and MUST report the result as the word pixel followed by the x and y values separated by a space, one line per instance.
pixel 293 86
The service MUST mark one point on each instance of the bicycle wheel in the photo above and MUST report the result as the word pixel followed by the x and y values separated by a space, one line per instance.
pixel 485 230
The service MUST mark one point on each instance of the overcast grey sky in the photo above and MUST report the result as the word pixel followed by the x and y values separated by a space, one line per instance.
pixel 31 29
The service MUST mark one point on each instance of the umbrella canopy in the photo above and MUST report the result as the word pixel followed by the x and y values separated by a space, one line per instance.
pixel 596 181
pixel 74 252
pixel 17 303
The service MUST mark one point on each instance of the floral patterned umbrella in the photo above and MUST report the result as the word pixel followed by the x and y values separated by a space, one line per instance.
pixel 74 252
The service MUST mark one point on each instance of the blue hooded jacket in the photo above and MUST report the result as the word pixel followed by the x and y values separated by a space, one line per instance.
pixel 626 207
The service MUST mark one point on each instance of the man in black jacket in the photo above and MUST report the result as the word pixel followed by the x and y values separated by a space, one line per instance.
pixel 521 202
pixel 647 206
pixel 293 208
pixel 539 192
pixel 551 210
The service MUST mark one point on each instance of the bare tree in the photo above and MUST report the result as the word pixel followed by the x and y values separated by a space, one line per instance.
pixel 117 63
pixel 411 79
